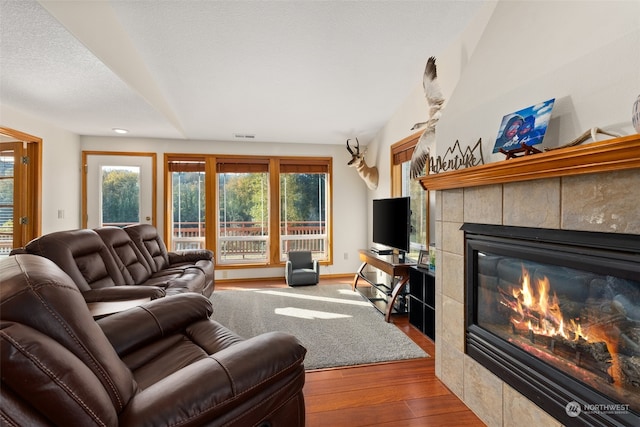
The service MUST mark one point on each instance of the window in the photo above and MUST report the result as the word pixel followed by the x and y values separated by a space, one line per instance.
pixel 120 195
pixel 20 189
pixel 419 212
pixel 243 211
pixel 188 203
pixel 118 188
pixel 402 185
pixel 7 177
pixel 256 209
pixel 303 209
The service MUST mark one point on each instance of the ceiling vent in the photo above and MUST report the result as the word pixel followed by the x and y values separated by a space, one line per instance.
pixel 244 136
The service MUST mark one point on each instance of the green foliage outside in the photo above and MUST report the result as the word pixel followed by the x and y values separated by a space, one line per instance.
pixel 418 212
pixel 188 197
pixel 419 220
pixel 6 205
pixel 120 196
pixel 302 197
pixel 244 197
pixel 6 194
pixel 243 207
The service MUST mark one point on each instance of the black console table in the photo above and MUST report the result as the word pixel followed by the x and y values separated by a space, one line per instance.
pixel 399 272
pixel 422 301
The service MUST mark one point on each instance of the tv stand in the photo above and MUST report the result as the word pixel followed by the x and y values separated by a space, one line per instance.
pixel 394 267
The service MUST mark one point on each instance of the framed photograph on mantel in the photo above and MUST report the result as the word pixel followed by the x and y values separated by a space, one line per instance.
pixel 525 127
pixel 423 259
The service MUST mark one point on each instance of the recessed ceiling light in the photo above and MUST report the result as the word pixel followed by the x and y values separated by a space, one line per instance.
pixel 120 131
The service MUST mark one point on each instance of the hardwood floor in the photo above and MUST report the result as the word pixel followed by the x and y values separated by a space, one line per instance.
pixel 396 394
pixel 402 394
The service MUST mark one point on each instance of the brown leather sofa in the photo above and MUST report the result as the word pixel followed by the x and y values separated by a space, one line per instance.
pixel 111 264
pixel 165 363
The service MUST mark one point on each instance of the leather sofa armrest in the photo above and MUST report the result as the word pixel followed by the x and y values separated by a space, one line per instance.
pixel 123 293
pixel 192 256
pixel 133 328
pixel 210 388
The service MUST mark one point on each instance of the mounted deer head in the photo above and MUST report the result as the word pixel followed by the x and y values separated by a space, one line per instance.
pixel 369 174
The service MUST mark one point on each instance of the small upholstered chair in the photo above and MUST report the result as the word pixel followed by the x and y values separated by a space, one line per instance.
pixel 301 269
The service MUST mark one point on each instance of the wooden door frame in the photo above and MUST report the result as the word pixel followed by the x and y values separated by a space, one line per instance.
pixel 154 181
pixel 30 202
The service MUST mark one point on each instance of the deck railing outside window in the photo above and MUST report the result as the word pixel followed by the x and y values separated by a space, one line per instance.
pixel 246 240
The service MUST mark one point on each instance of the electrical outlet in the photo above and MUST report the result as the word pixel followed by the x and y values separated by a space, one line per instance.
pixel 60 213
pixel 346 255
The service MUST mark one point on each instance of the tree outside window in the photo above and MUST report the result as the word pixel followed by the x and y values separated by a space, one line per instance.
pixel 402 185
pixel 188 189
pixel 243 216
pixel 419 213
pixel 303 213
pixel 187 181
pixel 256 208
pixel 120 195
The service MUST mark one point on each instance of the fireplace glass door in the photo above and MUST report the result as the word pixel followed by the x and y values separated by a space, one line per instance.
pixel 572 307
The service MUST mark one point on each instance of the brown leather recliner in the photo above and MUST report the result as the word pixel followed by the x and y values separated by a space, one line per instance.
pixel 190 275
pixel 109 267
pixel 160 364
pixel 152 247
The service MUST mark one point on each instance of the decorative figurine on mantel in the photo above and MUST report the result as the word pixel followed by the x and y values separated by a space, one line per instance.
pixel 635 114
pixel 590 133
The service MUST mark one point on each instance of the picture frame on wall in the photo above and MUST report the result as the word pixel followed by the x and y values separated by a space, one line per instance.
pixel 423 259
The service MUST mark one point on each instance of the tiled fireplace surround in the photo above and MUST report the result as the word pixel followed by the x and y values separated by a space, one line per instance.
pixel 606 202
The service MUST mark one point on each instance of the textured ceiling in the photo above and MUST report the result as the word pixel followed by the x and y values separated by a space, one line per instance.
pixel 284 71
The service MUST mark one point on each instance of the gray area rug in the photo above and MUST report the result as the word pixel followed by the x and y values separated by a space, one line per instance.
pixel 336 325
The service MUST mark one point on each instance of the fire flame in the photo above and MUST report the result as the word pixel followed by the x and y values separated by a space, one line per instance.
pixel 540 313
pixel 535 312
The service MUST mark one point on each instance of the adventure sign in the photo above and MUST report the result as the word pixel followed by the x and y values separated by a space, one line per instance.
pixel 454 158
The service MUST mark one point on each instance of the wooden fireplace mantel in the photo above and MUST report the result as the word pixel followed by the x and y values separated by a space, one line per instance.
pixel 604 156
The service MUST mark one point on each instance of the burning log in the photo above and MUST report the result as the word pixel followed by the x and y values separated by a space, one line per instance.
pixel 625 307
pixel 630 367
pixel 592 356
pixel 596 330
pixel 629 342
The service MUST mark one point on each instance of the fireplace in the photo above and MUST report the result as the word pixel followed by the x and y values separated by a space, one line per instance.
pixel 556 315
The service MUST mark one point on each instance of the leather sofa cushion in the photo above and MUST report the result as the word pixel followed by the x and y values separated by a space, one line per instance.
pixel 162 263
pixel 83 397
pixel 50 304
pixel 134 267
pixel 147 240
pixel 82 255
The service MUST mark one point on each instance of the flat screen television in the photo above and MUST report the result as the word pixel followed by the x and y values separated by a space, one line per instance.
pixel 392 222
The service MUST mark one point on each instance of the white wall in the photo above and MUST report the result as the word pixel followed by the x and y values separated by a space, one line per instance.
pixel 517 53
pixel 586 55
pixel 60 170
pixel 349 191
